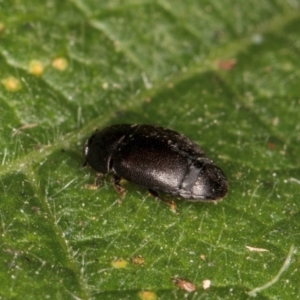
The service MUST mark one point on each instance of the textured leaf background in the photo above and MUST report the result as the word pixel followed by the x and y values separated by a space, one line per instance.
pixel 224 73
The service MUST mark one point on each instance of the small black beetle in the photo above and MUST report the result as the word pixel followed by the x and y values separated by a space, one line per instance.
pixel 159 159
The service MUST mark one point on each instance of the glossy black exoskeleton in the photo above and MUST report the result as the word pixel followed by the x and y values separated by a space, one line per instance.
pixel 159 159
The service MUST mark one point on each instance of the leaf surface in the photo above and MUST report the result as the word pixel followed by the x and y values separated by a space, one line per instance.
pixel 225 74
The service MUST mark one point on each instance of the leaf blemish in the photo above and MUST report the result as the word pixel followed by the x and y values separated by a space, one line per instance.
pixel 60 63
pixel 119 263
pixel 11 84
pixel 36 68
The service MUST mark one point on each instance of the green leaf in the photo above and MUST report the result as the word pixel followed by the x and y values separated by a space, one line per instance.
pixel 225 74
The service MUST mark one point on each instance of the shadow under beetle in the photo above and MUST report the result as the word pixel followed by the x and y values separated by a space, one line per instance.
pixel 156 158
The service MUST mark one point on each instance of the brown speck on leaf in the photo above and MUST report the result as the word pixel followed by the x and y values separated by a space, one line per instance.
pixel 35 209
pixel 91 186
pixel 271 146
pixel 184 284
pixel 138 260
pixel 226 65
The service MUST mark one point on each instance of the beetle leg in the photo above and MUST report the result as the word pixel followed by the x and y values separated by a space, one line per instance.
pixel 117 186
pixel 97 179
pixel 155 194
pixel 157 197
pixel 96 182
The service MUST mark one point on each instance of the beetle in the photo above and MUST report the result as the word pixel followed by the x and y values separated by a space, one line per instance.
pixel 159 159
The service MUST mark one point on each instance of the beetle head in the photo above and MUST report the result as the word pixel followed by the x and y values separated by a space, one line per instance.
pixel 100 147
